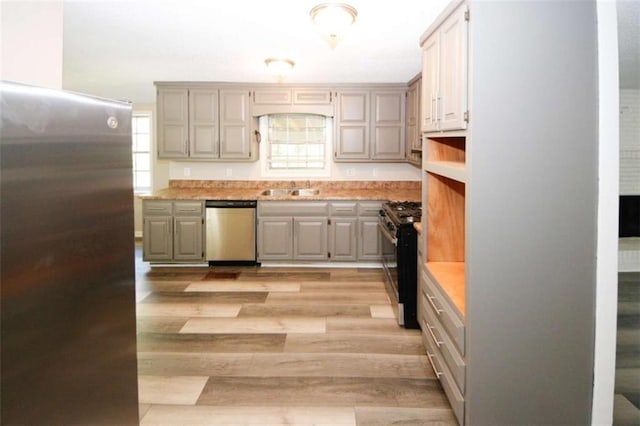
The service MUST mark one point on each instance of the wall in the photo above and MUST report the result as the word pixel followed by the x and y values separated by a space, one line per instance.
pixel 253 171
pixel 629 142
pixel 31 35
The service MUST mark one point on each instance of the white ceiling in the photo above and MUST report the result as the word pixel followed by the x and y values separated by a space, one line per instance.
pixel 118 48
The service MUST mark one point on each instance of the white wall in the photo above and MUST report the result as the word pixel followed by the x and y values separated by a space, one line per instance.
pixel 607 233
pixel 629 142
pixel 31 38
pixel 253 171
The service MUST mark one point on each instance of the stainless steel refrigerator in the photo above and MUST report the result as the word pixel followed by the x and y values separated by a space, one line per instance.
pixel 68 326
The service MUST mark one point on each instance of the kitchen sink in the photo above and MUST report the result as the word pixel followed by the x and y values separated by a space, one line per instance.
pixel 304 192
pixel 276 192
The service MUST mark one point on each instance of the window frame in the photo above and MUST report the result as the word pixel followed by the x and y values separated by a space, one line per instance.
pixel 134 115
pixel 265 150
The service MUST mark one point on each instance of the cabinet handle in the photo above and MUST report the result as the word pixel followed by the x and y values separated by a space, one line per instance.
pixel 432 303
pixel 430 328
pixel 433 365
pixel 155 208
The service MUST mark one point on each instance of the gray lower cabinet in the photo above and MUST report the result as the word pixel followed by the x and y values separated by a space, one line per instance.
pixel 310 238
pixel 369 245
pixel 335 231
pixel 275 238
pixel 173 231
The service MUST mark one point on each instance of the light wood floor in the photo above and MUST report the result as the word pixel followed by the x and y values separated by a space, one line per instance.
pixel 278 346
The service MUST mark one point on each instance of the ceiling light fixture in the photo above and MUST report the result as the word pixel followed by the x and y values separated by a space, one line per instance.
pixel 279 67
pixel 333 20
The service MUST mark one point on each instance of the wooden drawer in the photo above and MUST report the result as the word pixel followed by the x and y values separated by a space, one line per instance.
pixel 188 208
pixel 446 379
pixel 343 209
pixel 159 208
pixel 443 344
pixel 444 312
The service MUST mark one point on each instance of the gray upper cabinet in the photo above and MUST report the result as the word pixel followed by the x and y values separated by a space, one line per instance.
pixel 173 123
pixel 414 136
pixel 370 124
pixel 388 124
pixel 235 124
pixel 352 125
pixel 204 122
pixel 203 125
pixel 291 100
pixel 444 75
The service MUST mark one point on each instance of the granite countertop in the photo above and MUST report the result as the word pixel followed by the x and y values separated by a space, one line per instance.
pixel 251 190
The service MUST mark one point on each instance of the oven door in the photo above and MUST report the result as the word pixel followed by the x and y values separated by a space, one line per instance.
pixel 389 250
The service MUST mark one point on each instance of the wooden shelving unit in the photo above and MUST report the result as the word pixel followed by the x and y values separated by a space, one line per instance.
pixel 445 169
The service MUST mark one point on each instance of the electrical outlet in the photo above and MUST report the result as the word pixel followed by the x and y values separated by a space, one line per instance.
pixel 351 172
pixel 186 171
pixel 375 172
pixel 229 172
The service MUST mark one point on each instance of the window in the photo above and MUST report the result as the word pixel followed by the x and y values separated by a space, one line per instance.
pixel 141 149
pixel 296 143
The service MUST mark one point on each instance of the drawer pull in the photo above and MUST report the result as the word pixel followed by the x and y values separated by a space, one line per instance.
pixel 430 328
pixel 435 370
pixel 156 208
pixel 432 303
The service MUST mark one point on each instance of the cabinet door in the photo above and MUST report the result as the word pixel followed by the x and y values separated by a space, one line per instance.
pixel 312 97
pixel 352 126
pixel 235 124
pixel 453 72
pixel 369 247
pixel 430 67
pixel 388 125
pixel 343 245
pixel 310 238
pixel 414 141
pixel 173 123
pixel 272 97
pixel 158 238
pixel 187 240
pixel 275 238
pixel 203 124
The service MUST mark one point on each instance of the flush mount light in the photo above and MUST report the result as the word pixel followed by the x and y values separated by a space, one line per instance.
pixel 333 20
pixel 279 67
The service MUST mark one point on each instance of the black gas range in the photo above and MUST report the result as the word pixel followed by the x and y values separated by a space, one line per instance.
pixel 400 257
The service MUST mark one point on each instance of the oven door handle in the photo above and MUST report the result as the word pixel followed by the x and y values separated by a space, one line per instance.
pixel 393 240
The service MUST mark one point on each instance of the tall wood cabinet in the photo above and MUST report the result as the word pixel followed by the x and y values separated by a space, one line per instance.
pixel 205 122
pixel 506 295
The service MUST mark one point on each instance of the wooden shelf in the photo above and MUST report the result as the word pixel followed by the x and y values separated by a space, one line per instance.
pixel 449 169
pixel 450 276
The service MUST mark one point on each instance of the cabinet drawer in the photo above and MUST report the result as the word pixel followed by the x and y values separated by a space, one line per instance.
pixel 293 208
pixel 444 312
pixel 446 380
pixel 441 342
pixel 156 208
pixel 187 208
pixel 343 209
pixel 369 208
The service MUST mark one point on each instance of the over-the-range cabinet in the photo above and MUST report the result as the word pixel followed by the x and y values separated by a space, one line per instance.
pixel 506 271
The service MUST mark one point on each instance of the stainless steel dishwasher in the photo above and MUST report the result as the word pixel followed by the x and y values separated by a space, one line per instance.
pixel 231 232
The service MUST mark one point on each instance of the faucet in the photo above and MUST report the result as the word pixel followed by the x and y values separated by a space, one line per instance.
pixel 308 184
pixel 293 184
